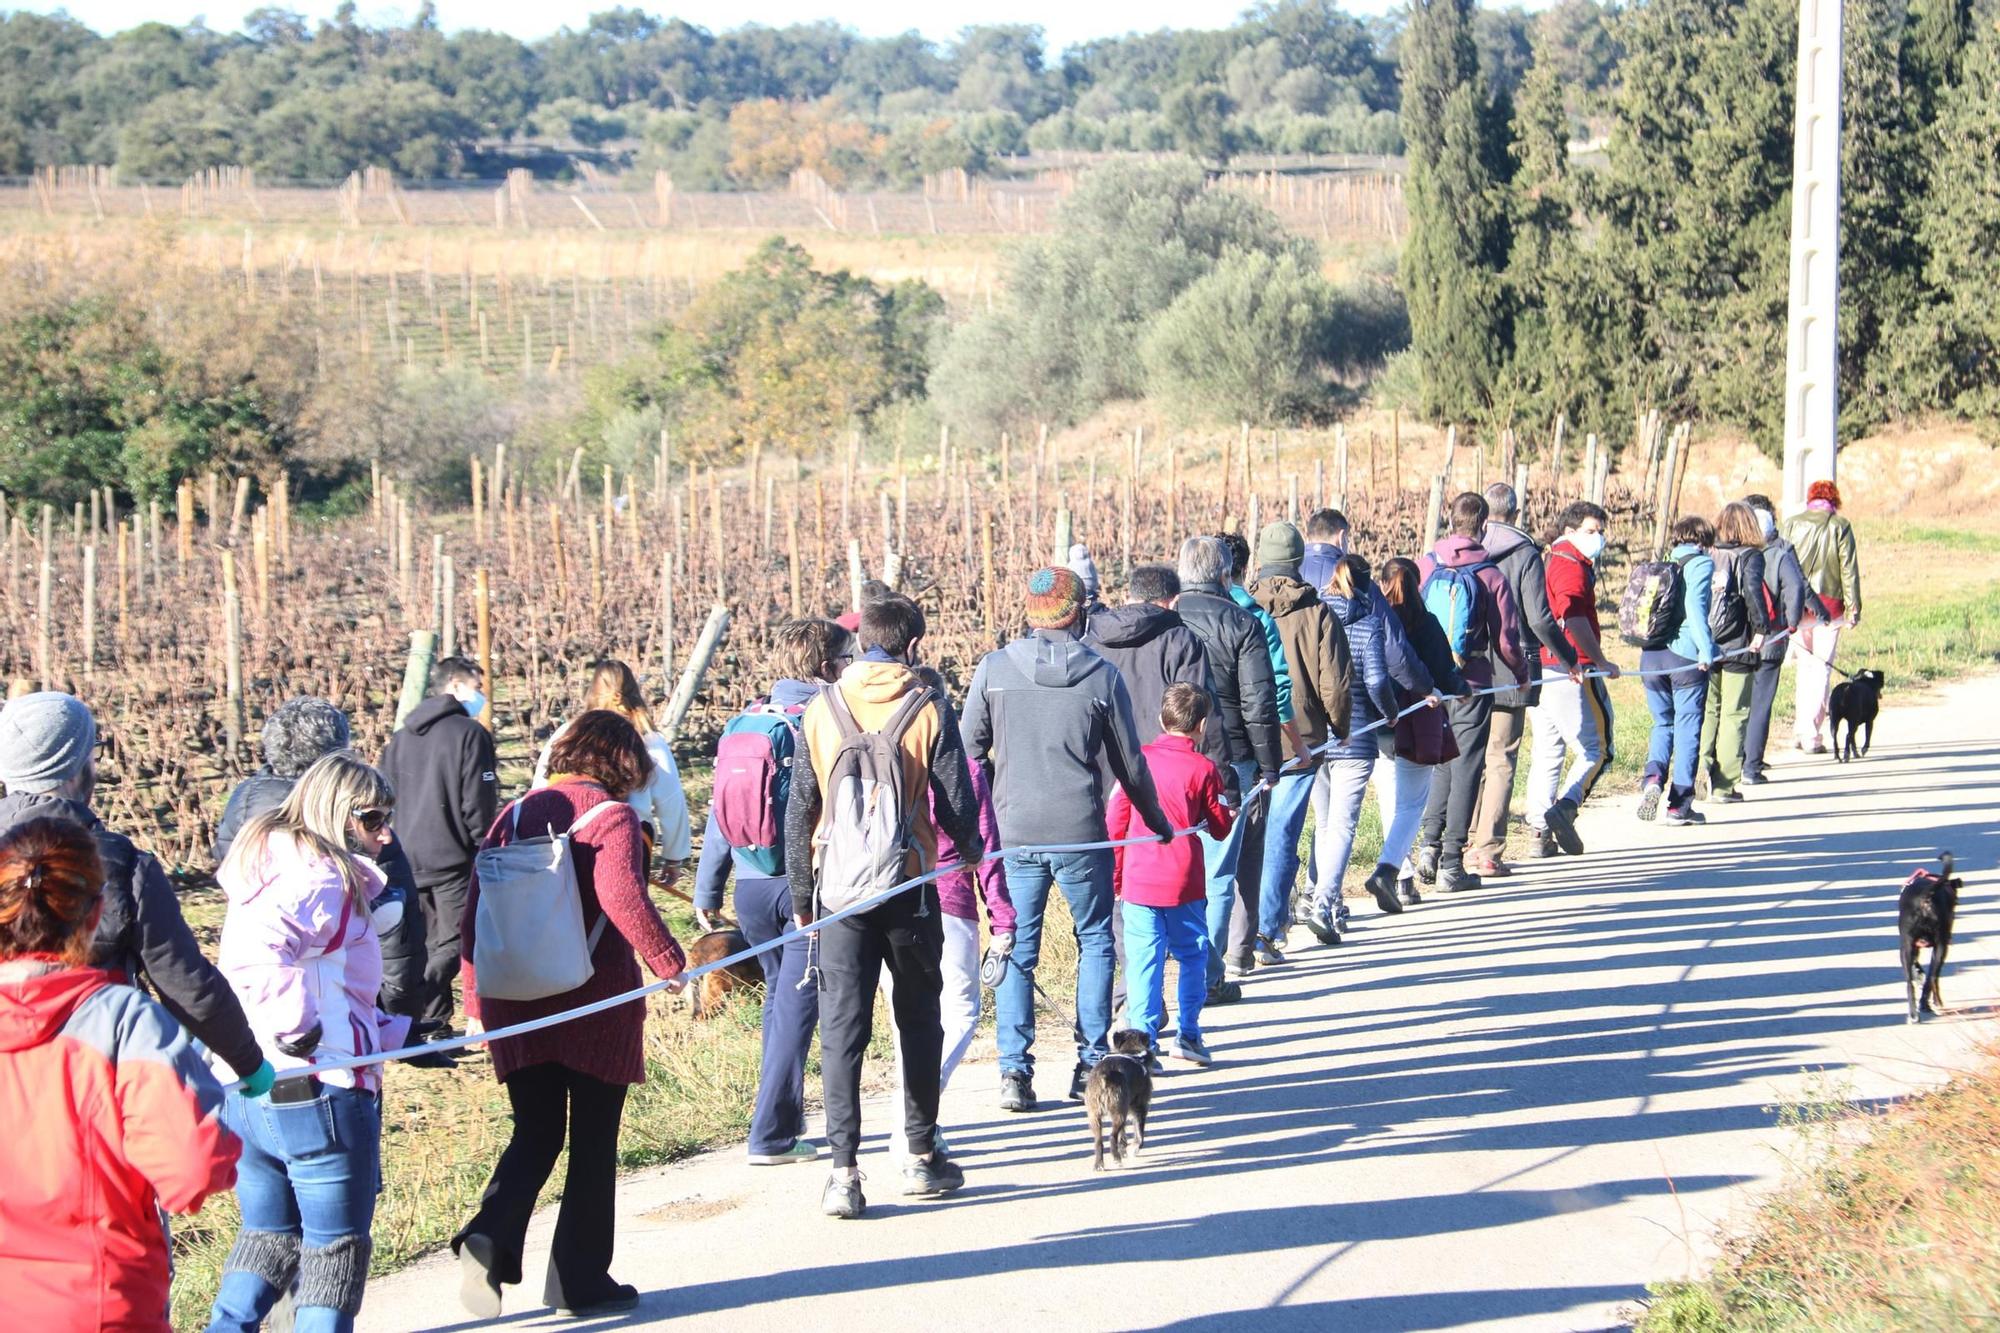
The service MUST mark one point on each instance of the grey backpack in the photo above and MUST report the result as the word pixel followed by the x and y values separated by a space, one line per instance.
pixel 864 842
pixel 528 937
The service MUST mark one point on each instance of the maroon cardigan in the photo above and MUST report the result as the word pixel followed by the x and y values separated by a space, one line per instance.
pixel 610 872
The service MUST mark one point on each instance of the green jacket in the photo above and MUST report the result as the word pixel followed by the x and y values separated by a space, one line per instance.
pixel 1241 596
pixel 1824 543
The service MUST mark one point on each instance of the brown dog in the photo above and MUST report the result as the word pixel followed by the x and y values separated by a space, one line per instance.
pixel 712 986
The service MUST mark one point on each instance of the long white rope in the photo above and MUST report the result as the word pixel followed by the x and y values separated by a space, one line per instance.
pixel 1293 766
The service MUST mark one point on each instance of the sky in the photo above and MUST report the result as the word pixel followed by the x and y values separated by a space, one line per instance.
pixel 1065 21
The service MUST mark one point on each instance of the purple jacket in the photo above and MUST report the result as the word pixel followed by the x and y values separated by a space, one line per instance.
pixel 955 890
pixel 1496 632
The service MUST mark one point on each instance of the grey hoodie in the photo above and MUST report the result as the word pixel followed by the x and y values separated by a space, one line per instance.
pixel 1049 716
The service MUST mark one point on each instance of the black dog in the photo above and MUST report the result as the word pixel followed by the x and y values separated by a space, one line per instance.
pixel 1119 1087
pixel 1856 701
pixel 1924 915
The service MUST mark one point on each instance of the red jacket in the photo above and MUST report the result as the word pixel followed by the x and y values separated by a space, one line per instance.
pixel 1190 789
pixel 110 1116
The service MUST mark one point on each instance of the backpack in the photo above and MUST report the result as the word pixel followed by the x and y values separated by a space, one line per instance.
pixel 1728 615
pixel 528 940
pixel 753 780
pixel 864 839
pixel 1451 594
pixel 1654 605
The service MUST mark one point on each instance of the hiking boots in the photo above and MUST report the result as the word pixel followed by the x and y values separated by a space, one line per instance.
pixel 1542 845
pixel 1225 992
pixel 1649 800
pixel 1561 820
pixel 843 1194
pixel 1320 923
pixel 933 1175
pixel 1382 888
pixel 1427 864
pixel 1456 879
pixel 1017 1092
pixel 1407 889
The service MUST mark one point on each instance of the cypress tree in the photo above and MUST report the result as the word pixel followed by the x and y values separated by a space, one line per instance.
pixel 1935 33
pixel 1960 229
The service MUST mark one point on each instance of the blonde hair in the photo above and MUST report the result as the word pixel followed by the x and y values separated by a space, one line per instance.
pixel 615 688
pixel 1737 525
pixel 315 817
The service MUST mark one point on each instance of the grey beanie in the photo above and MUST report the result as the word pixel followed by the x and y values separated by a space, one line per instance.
pixel 1085 568
pixel 45 740
pixel 299 731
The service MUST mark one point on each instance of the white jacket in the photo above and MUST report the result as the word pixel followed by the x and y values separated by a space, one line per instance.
pixel 661 802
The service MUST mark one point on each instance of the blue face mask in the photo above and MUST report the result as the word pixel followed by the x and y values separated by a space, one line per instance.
pixel 475 704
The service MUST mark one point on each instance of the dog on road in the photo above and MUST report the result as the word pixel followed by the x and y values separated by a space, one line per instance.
pixel 1856 701
pixel 1924 915
pixel 1119 1089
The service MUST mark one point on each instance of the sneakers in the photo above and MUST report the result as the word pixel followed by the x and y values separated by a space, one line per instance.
pixel 1238 967
pixel 621 1298
pixel 1542 845
pixel 1561 821
pixel 1320 923
pixel 478 1284
pixel 1649 800
pixel 933 1175
pixel 1407 888
pixel 1340 914
pixel 1153 1065
pixel 1728 797
pixel 1268 954
pixel 1754 779
pixel 1456 879
pixel 1382 888
pixel 1427 864
pixel 803 1150
pixel 1489 867
pixel 1224 992
pixel 1683 814
pixel 1017 1092
pixel 1077 1079
pixel 843 1195
pixel 1193 1050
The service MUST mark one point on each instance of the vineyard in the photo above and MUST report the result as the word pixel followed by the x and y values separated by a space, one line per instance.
pixel 184 624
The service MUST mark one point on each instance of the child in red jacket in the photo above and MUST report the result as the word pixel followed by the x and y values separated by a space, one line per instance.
pixel 1161 886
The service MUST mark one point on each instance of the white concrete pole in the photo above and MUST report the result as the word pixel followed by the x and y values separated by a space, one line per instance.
pixel 1812 364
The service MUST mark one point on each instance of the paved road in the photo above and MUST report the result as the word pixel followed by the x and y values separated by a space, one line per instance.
pixel 1508 1110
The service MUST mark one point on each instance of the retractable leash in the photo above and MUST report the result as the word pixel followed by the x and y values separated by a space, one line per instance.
pixel 869 904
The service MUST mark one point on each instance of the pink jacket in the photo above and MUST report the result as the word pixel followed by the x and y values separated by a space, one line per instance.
pixel 958 894
pixel 298 951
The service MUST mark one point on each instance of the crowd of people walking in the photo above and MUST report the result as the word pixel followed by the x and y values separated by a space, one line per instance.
pixel 1157 762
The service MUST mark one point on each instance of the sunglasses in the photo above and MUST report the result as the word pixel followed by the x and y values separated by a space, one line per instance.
pixel 374 821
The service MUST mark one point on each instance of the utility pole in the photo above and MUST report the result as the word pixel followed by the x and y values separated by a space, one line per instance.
pixel 1812 344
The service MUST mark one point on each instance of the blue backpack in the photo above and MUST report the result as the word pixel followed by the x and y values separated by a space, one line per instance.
pixel 753 780
pixel 1451 595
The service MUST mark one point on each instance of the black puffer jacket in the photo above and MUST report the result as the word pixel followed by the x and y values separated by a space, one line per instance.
pixel 402 948
pixel 447 789
pixel 143 934
pixel 1244 728
pixel 1152 649
pixel 1520 562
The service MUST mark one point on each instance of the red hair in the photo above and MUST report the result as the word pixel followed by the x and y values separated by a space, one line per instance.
pixel 51 883
pixel 1824 490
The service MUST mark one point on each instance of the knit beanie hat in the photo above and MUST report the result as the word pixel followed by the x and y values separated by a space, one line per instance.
pixel 45 740
pixel 1055 598
pixel 1084 568
pixel 1280 544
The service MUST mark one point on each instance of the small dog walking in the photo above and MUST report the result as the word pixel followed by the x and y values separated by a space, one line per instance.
pixel 1119 1088
pixel 1856 701
pixel 1924 915
pixel 708 992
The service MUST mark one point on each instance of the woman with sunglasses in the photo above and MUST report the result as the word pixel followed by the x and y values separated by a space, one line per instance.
pixel 301 950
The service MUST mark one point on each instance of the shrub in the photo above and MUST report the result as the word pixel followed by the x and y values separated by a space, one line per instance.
pixel 1247 341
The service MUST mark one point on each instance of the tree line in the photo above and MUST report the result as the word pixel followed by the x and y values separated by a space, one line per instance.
pixel 734 109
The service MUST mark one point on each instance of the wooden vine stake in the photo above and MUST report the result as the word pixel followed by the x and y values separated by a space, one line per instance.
pixel 482 607
pixel 697 669
pixel 89 612
pixel 234 720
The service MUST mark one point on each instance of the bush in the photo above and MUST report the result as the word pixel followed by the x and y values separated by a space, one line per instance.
pixel 1247 341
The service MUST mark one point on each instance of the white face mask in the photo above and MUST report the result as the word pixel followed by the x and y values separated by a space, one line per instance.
pixel 1767 521
pixel 1589 545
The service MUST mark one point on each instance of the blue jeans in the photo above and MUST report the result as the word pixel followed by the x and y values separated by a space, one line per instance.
pixel 1085 879
pixel 791 1015
pixel 306 1185
pixel 1220 858
pixel 1151 933
pixel 1676 702
pixel 1290 800
pixel 1338 787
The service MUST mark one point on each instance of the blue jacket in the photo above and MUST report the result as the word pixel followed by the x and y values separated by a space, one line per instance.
pixel 718 858
pixel 1317 567
pixel 1694 641
pixel 1383 661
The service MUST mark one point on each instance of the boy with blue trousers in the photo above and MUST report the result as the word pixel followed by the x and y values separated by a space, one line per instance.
pixel 1161 887
pixel 1049 716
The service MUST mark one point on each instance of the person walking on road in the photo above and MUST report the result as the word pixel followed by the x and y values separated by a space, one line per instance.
pixel 113 1117
pixel 879 701
pixel 1739 618
pixel 1386 670
pixel 302 950
pixel 1423 741
pixel 1519 560
pixel 1242 737
pixel 441 763
pixel 48 749
pixel 752 788
pixel 1050 717
pixel 1326 542
pixel 1795 604
pixel 1824 543
pixel 1149 644
pixel 1572 718
pixel 661 804
pixel 1322 679
pixel 567 1084
pixel 1677 680
pixel 1469 595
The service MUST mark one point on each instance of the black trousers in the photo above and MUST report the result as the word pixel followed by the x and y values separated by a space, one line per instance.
pixel 1763 696
pixel 444 910
pixel 906 935
pixel 1455 786
pixel 554 1104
